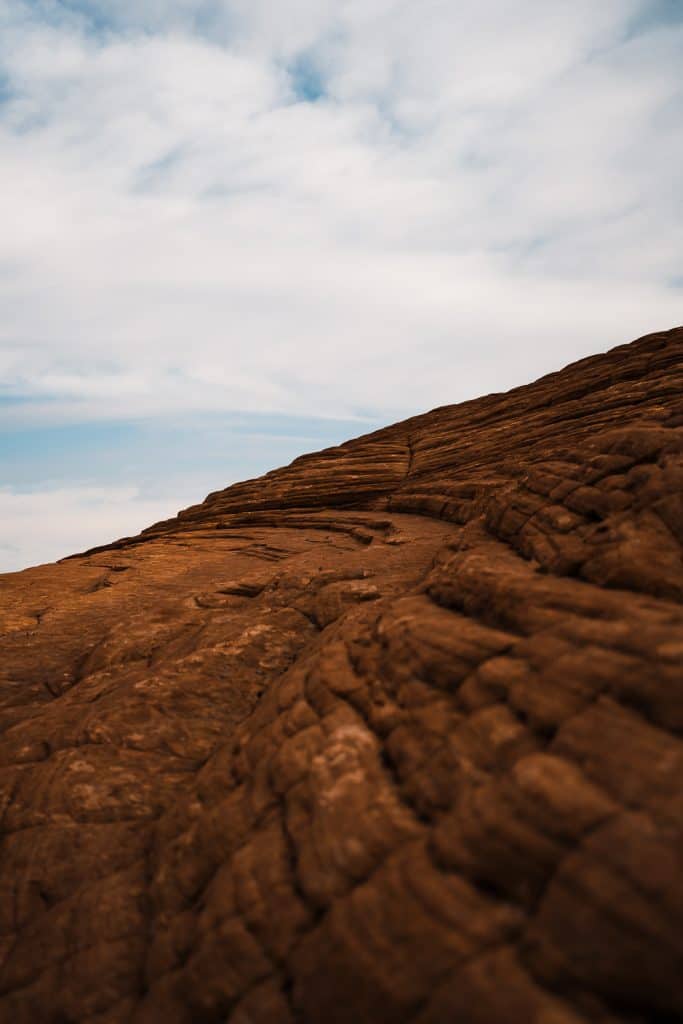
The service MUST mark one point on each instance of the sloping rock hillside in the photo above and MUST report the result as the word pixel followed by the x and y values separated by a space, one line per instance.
pixel 391 735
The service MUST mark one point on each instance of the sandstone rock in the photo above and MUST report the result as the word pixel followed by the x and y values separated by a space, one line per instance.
pixel 392 734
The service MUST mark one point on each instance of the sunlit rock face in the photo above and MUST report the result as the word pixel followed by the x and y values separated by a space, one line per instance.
pixel 392 734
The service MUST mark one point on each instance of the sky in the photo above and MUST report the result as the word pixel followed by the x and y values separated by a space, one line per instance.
pixel 233 231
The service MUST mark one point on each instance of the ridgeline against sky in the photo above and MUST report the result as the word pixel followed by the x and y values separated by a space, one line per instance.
pixel 265 227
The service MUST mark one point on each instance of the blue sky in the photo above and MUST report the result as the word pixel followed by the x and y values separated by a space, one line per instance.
pixel 235 231
pixel 194 451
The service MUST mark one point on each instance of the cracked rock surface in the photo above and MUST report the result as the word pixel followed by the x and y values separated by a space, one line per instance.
pixel 394 734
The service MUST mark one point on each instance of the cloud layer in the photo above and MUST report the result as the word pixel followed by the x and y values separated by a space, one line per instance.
pixel 328 208
pixel 227 223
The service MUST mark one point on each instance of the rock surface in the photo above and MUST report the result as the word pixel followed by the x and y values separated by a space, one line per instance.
pixel 393 734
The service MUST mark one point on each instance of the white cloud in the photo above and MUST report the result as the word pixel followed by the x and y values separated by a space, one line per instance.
pixel 41 526
pixel 482 193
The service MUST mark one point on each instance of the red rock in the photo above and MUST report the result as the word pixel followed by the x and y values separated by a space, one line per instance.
pixel 391 734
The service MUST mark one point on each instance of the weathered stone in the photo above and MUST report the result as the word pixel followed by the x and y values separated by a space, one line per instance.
pixel 391 734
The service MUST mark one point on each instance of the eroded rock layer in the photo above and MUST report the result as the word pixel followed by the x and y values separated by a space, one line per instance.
pixel 392 734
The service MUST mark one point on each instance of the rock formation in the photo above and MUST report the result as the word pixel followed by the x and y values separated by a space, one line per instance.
pixel 390 735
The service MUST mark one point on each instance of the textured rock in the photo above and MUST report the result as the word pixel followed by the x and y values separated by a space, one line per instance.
pixel 392 734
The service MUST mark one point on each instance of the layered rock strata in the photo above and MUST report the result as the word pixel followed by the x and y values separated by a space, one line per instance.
pixel 393 734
